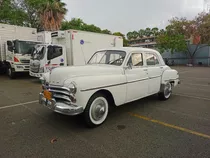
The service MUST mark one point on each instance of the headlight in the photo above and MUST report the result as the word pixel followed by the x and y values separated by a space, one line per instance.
pixel 72 88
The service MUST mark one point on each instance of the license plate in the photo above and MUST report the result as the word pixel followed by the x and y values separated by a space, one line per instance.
pixel 47 95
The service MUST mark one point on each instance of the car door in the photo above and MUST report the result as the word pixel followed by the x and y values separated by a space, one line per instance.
pixel 55 57
pixel 154 72
pixel 137 77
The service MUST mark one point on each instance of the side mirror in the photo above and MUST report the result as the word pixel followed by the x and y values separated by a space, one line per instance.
pixel 9 44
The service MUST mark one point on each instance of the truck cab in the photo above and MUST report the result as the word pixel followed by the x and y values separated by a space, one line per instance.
pixel 45 57
pixel 18 54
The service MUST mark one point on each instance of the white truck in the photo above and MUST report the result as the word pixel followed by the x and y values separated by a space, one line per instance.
pixel 68 48
pixel 16 44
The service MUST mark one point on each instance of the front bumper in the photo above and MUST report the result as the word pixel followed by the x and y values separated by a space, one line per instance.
pixel 38 75
pixel 59 107
pixel 21 67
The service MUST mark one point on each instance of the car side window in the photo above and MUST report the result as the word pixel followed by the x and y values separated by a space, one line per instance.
pixel 136 59
pixel 151 59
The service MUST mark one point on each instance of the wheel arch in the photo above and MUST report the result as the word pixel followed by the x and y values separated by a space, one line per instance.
pixel 108 95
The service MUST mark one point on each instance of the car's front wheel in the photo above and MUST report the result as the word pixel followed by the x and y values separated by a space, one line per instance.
pixel 166 93
pixel 96 110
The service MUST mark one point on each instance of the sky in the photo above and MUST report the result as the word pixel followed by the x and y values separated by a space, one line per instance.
pixel 130 15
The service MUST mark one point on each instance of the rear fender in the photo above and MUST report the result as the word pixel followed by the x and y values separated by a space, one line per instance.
pixel 169 76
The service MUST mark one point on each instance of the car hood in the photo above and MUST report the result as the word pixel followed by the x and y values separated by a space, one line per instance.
pixel 59 75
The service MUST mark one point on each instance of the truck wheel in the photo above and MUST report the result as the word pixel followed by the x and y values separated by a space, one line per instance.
pixel 166 93
pixel 96 110
pixel 11 73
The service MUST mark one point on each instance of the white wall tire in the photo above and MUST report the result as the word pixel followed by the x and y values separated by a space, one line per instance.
pixel 96 110
pixel 166 93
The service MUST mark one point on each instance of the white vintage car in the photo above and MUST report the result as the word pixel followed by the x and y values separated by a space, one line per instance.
pixel 112 77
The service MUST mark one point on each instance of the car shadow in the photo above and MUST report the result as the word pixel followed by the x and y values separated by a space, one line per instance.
pixel 77 124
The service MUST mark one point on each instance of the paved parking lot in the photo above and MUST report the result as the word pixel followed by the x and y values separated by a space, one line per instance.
pixel 179 127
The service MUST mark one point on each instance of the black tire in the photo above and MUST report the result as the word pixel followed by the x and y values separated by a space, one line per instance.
pixel 11 73
pixel 89 120
pixel 163 95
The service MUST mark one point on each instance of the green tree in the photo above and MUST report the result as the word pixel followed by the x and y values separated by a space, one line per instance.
pixel 141 33
pixel 106 32
pixel 148 32
pixel 180 33
pixel 155 31
pixel 135 34
pixel 130 35
pixel 10 14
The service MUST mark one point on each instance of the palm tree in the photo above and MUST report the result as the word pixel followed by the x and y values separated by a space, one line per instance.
pixel 141 33
pixel 130 35
pixel 148 32
pixel 135 34
pixel 52 13
pixel 155 31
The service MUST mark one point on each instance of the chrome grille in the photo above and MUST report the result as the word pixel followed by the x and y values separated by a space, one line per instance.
pixel 34 68
pixel 60 94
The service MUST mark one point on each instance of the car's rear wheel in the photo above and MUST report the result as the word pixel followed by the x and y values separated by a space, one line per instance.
pixel 96 110
pixel 166 93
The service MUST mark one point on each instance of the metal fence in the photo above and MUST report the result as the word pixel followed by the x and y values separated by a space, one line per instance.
pixel 205 61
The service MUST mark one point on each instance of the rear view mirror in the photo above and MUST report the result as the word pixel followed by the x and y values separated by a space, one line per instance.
pixel 9 44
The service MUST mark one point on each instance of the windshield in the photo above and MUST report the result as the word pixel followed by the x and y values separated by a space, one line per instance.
pixel 24 47
pixel 112 57
pixel 38 52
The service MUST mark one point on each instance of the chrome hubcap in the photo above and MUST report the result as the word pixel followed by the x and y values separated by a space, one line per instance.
pixel 168 89
pixel 98 110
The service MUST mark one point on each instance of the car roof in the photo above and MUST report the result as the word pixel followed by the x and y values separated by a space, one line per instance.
pixel 129 49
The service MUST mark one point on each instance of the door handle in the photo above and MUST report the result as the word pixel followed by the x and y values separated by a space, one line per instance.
pixel 145 69
pixel 161 67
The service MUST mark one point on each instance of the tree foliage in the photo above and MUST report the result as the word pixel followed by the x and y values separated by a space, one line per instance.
pixel 79 24
pixel 10 14
pixel 45 14
pixel 148 32
pixel 181 32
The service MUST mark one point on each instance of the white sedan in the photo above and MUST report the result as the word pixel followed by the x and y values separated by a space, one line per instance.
pixel 112 77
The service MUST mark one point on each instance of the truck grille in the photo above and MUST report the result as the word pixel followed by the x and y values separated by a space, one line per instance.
pixel 34 68
pixel 60 94
pixel 25 61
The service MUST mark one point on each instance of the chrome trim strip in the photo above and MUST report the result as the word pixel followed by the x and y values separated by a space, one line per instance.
pixel 58 91
pixel 61 97
pixel 83 90
pixel 57 87
pixel 138 80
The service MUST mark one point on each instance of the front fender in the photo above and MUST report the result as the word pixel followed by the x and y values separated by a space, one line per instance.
pixel 88 85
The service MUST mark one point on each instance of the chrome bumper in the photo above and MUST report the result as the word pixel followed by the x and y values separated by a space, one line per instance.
pixel 61 108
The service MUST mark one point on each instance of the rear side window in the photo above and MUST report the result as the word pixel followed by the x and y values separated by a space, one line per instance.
pixel 54 52
pixel 136 59
pixel 152 59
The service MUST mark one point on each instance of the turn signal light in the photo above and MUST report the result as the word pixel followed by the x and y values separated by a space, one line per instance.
pixel 16 59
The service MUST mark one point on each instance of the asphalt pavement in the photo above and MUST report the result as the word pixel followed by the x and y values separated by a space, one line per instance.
pixel 147 128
